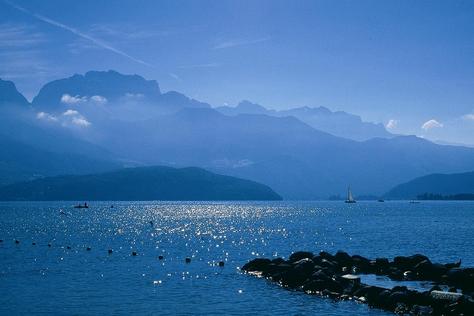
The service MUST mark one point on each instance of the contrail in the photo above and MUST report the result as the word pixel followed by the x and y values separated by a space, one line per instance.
pixel 77 33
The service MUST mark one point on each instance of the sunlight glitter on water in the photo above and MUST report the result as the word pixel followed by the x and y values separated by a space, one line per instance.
pixel 207 233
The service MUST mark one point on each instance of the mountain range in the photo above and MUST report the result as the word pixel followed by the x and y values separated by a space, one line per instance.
pixel 143 183
pixel 107 120
pixel 337 123
pixel 440 184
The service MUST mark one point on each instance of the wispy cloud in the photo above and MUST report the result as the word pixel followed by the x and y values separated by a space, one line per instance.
pixel 207 65
pixel 468 117
pixel 71 100
pixel 431 124
pixel 392 124
pixel 240 42
pixel 78 33
pixel 22 56
pixel 19 36
pixel 175 76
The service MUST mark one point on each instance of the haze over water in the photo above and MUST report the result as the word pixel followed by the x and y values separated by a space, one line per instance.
pixel 76 281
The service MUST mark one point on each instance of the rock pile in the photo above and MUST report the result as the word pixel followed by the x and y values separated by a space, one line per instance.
pixel 335 276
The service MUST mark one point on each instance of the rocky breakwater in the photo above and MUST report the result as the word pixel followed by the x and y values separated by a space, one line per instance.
pixel 337 276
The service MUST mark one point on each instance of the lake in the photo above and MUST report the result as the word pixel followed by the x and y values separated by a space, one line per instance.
pixel 54 279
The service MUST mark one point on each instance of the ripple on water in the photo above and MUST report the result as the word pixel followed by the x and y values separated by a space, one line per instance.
pixel 38 278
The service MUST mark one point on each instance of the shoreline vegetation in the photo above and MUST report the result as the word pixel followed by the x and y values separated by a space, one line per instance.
pixel 440 197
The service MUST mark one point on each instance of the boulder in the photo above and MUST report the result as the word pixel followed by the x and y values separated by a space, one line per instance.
pixel 257 265
pixel 300 255
pixel 343 258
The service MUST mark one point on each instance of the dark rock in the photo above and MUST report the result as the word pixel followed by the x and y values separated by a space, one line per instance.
pixel 382 262
pixel 328 275
pixel 257 265
pixel 381 265
pixel 418 310
pixel 328 264
pixel 278 260
pixel 401 309
pixel 409 275
pixel 296 276
pixel 461 278
pixel 323 285
pixel 343 258
pixel 453 265
pixel 326 255
pixel 360 262
pixel 425 270
pixel 300 255
pixel 408 263
pixel 320 275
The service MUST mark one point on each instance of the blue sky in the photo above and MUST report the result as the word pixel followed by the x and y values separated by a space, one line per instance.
pixel 408 64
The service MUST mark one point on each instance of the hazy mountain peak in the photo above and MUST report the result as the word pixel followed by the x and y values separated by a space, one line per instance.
pixel 110 85
pixel 338 123
pixel 248 107
pixel 10 95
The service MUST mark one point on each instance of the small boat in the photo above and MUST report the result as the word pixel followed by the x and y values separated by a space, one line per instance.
pixel 350 198
pixel 414 202
pixel 381 200
pixel 81 205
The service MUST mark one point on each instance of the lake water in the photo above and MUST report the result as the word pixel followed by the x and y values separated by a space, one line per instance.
pixel 58 280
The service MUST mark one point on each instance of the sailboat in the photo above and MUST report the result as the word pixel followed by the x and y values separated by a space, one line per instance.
pixel 350 198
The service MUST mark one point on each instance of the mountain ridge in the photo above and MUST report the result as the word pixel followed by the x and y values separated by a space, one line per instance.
pixel 437 183
pixel 143 183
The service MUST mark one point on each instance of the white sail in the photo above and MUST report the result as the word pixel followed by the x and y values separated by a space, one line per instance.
pixel 350 198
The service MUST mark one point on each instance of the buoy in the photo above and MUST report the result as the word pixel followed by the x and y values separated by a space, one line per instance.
pixel 88 248
pixel 221 263
pixel 187 260
pixel 160 257
pixel 17 241
pixel 134 253
pixel 110 251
